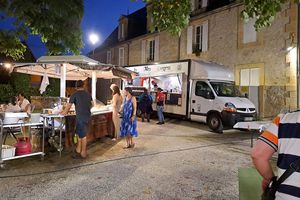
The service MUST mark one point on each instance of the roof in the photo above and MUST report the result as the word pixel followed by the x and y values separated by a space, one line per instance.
pixel 137 26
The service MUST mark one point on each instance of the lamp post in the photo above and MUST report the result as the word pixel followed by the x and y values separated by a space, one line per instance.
pixel 93 39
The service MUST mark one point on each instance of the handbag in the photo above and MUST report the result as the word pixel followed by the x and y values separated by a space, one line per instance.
pixel 269 193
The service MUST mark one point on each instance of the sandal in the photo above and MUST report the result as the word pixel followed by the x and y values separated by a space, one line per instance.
pixel 127 147
pixel 132 146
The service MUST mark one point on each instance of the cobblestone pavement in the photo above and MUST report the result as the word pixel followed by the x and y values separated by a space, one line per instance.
pixel 176 161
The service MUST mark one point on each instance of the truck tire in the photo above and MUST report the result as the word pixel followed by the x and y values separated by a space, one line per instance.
pixel 214 122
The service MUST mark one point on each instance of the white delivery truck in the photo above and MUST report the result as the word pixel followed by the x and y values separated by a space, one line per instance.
pixel 197 90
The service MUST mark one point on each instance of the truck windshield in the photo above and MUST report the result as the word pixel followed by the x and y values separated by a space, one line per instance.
pixel 226 89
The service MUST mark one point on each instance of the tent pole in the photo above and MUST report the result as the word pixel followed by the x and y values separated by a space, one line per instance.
pixel 94 82
pixel 63 74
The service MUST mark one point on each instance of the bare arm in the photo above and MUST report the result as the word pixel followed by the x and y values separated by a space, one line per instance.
pixel 261 154
pixel 134 108
pixel 66 110
pixel 27 108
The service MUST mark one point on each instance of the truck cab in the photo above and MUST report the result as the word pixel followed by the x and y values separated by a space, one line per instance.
pixel 215 99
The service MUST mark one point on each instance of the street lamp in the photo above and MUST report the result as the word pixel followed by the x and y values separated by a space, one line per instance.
pixel 93 39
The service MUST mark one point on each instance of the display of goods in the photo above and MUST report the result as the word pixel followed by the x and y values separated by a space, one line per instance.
pixel 23 146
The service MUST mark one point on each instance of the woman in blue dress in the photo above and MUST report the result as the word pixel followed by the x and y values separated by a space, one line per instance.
pixel 129 125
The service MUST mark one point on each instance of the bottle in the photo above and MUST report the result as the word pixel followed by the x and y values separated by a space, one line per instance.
pixel 75 139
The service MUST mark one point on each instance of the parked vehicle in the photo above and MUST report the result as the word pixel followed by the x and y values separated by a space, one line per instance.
pixel 198 90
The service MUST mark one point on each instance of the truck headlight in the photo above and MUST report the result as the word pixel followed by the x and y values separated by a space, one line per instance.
pixel 229 107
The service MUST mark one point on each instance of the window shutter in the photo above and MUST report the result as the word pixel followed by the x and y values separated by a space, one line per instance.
pixel 204 4
pixel 143 49
pixel 122 31
pixel 156 50
pixel 119 32
pixel 205 36
pixel 192 5
pixel 189 43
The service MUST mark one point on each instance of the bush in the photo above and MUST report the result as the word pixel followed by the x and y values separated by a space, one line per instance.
pixel 6 92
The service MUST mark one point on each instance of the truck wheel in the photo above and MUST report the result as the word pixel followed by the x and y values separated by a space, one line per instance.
pixel 214 122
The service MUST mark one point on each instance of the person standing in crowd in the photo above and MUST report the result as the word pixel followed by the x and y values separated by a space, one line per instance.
pixel 160 99
pixel 83 104
pixel 23 103
pixel 116 105
pixel 128 124
pixel 145 105
pixel 281 136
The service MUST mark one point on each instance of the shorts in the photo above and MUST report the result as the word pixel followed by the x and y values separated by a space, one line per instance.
pixel 81 127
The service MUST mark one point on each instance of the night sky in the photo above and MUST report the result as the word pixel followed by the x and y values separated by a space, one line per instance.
pixel 100 17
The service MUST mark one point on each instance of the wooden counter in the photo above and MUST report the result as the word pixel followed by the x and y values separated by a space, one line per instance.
pixel 100 125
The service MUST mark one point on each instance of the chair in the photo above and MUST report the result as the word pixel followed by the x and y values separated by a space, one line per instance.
pixel 249 184
pixel 32 107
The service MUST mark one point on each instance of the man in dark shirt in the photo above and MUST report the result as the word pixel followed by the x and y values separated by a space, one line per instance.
pixel 83 103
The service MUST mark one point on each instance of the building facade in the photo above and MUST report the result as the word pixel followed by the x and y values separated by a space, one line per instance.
pixel 264 62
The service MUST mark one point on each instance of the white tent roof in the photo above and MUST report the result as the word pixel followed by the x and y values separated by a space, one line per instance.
pixel 78 68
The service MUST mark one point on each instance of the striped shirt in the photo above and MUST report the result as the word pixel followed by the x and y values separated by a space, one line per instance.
pixel 283 135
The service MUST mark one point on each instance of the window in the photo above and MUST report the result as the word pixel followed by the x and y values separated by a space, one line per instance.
pixel 249 32
pixel 225 89
pixel 200 4
pixel 151 51
pixel 199 37
pixel 250 77
pixel 108 57
pixel 121 56
pixel 203 90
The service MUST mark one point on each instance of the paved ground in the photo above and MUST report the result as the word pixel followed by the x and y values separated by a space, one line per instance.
pixel 176 161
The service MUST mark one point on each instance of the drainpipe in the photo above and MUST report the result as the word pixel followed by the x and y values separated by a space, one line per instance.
pixel 298 56
pixel 179 46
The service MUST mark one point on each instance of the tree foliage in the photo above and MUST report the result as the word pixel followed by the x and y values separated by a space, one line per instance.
pixel 57 22
pixel 263 11
pixel 170 15
pixel 173 15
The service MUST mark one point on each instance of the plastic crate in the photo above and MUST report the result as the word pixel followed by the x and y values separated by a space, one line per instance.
pixel 8 151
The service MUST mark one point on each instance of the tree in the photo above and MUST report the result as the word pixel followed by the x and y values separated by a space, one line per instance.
pixel 56 21
pixel 174 15
pixel 263 11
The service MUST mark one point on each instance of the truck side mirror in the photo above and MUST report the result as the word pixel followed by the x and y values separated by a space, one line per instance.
pixel 246 95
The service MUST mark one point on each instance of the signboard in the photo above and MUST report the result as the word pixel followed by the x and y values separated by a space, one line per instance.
pixel 121 74
pixel 161 69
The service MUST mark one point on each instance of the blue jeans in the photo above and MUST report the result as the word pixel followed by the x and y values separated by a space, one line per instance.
pixel 160 113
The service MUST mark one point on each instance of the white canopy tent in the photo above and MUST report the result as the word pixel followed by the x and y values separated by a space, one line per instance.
pixel 72 68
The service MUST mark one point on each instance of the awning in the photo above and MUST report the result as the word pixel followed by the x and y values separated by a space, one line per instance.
pixel 78 68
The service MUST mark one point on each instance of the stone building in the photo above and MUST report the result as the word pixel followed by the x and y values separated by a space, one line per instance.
pixel 264 62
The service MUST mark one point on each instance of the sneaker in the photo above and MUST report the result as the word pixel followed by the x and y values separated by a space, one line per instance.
pixel 159 123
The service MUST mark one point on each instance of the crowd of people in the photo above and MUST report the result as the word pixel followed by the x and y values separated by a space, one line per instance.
pixel 123 106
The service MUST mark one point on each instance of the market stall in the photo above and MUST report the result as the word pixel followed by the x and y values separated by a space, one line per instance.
pixel 171 77
pixel 71 68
